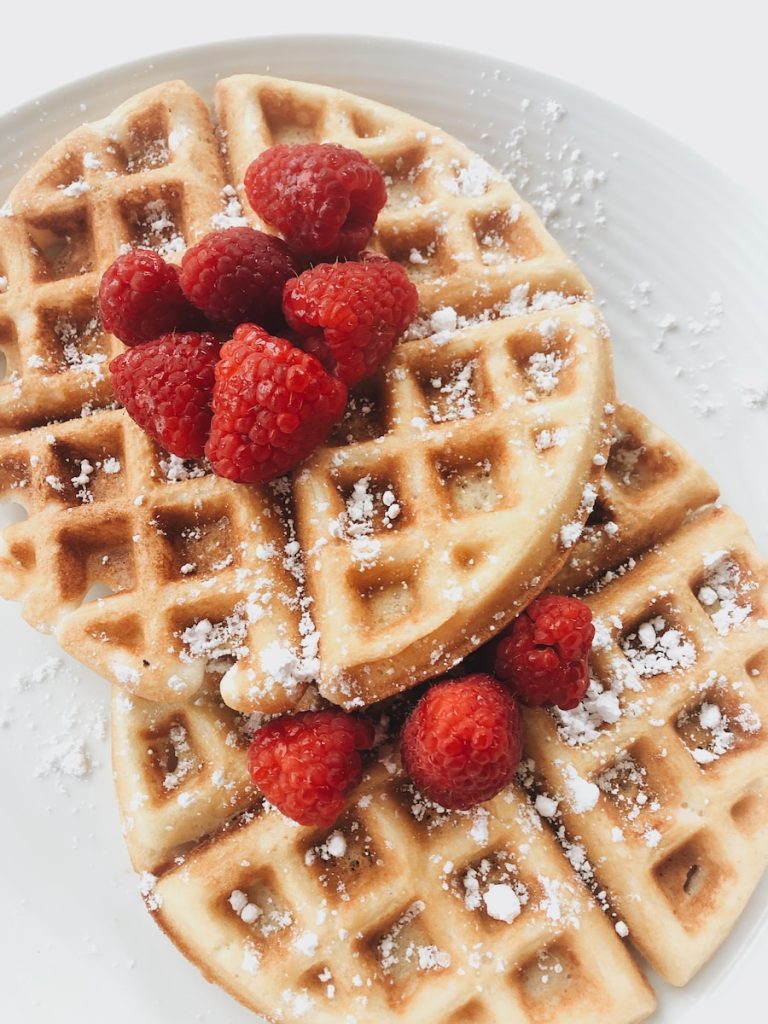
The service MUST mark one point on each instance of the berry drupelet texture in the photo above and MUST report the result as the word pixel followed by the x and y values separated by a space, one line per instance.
pixel 306 764
pixel 543 655
pixel 140 299
pixel 166 387
pixel 236 275
pixel 462 742
pixel 323 198
pixel 351 314
pixel 273 405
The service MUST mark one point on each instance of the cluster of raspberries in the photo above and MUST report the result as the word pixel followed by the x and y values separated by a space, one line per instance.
pixel 245 352
pixel 461 743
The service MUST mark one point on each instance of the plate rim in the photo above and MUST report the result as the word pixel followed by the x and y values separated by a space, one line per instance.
pixel 138 67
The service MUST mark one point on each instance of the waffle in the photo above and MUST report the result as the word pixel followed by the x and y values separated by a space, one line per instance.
pixel 180 768
pixel 150 175
pixel 650 486
pixel 135 559
pixel 676 896
pixel 382 918
pixel 147 568
pixel 660 774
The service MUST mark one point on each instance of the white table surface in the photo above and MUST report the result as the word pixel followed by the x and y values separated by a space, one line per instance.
pixel 696 70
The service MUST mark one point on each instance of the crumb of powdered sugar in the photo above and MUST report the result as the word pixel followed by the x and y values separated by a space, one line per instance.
pixel 49 703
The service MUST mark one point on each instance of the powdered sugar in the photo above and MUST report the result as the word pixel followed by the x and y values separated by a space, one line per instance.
pixel 176 470
pixel 183 756
pixel 570 532
pixel 147 884
pixel 403 944
pixel 554 437
pixel 285 661
pixel 545 806
pixel 300 1003
pixel 492 886
pixel 479 829
pixel 455 398
pixel 583 723
pixel 566 187
pixel 251 961
pixel 307 943
pixel 443 323
pixel 285 666
pixel 501 902
pixel 474 178
pixel 49 701
pixel 75 340
pixel 713 721
pixel 158 230
pixel 365 509
pixel 231 215
pixel 582 795
pixel 335 846
pixel 431 958
pixel 211 641
pixel 542 372
pixel 723 592
pixel 76 188
pixel 82 480
pixel 748 719
pixel 655 648
pixel 247 912
pixel 710 730
pixel 601 704
pixel 560 902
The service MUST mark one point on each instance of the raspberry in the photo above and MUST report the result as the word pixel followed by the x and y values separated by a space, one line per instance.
pixel 140 298
pixel 237 275
pixel 357 311
pixel 323 198
pixel 166 387
pixel 463 741
pixel 543 654
pixel 305 764
pixel 272 405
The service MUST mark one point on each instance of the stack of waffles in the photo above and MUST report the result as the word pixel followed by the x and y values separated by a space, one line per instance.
pixel 452 428
pixel 486 462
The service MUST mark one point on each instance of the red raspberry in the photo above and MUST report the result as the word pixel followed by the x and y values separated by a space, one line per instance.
pixel 463 741
pixel 166 387
pixel 305 764
pixel 140 298
pixel 356 310
pixel 237 275
pixel 323 198
pixel 272 406
pixel 543 654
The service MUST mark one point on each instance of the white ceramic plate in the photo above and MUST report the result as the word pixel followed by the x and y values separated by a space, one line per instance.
pixel 677 253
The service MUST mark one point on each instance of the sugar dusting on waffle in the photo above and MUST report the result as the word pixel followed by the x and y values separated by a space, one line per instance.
pixel 492 887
